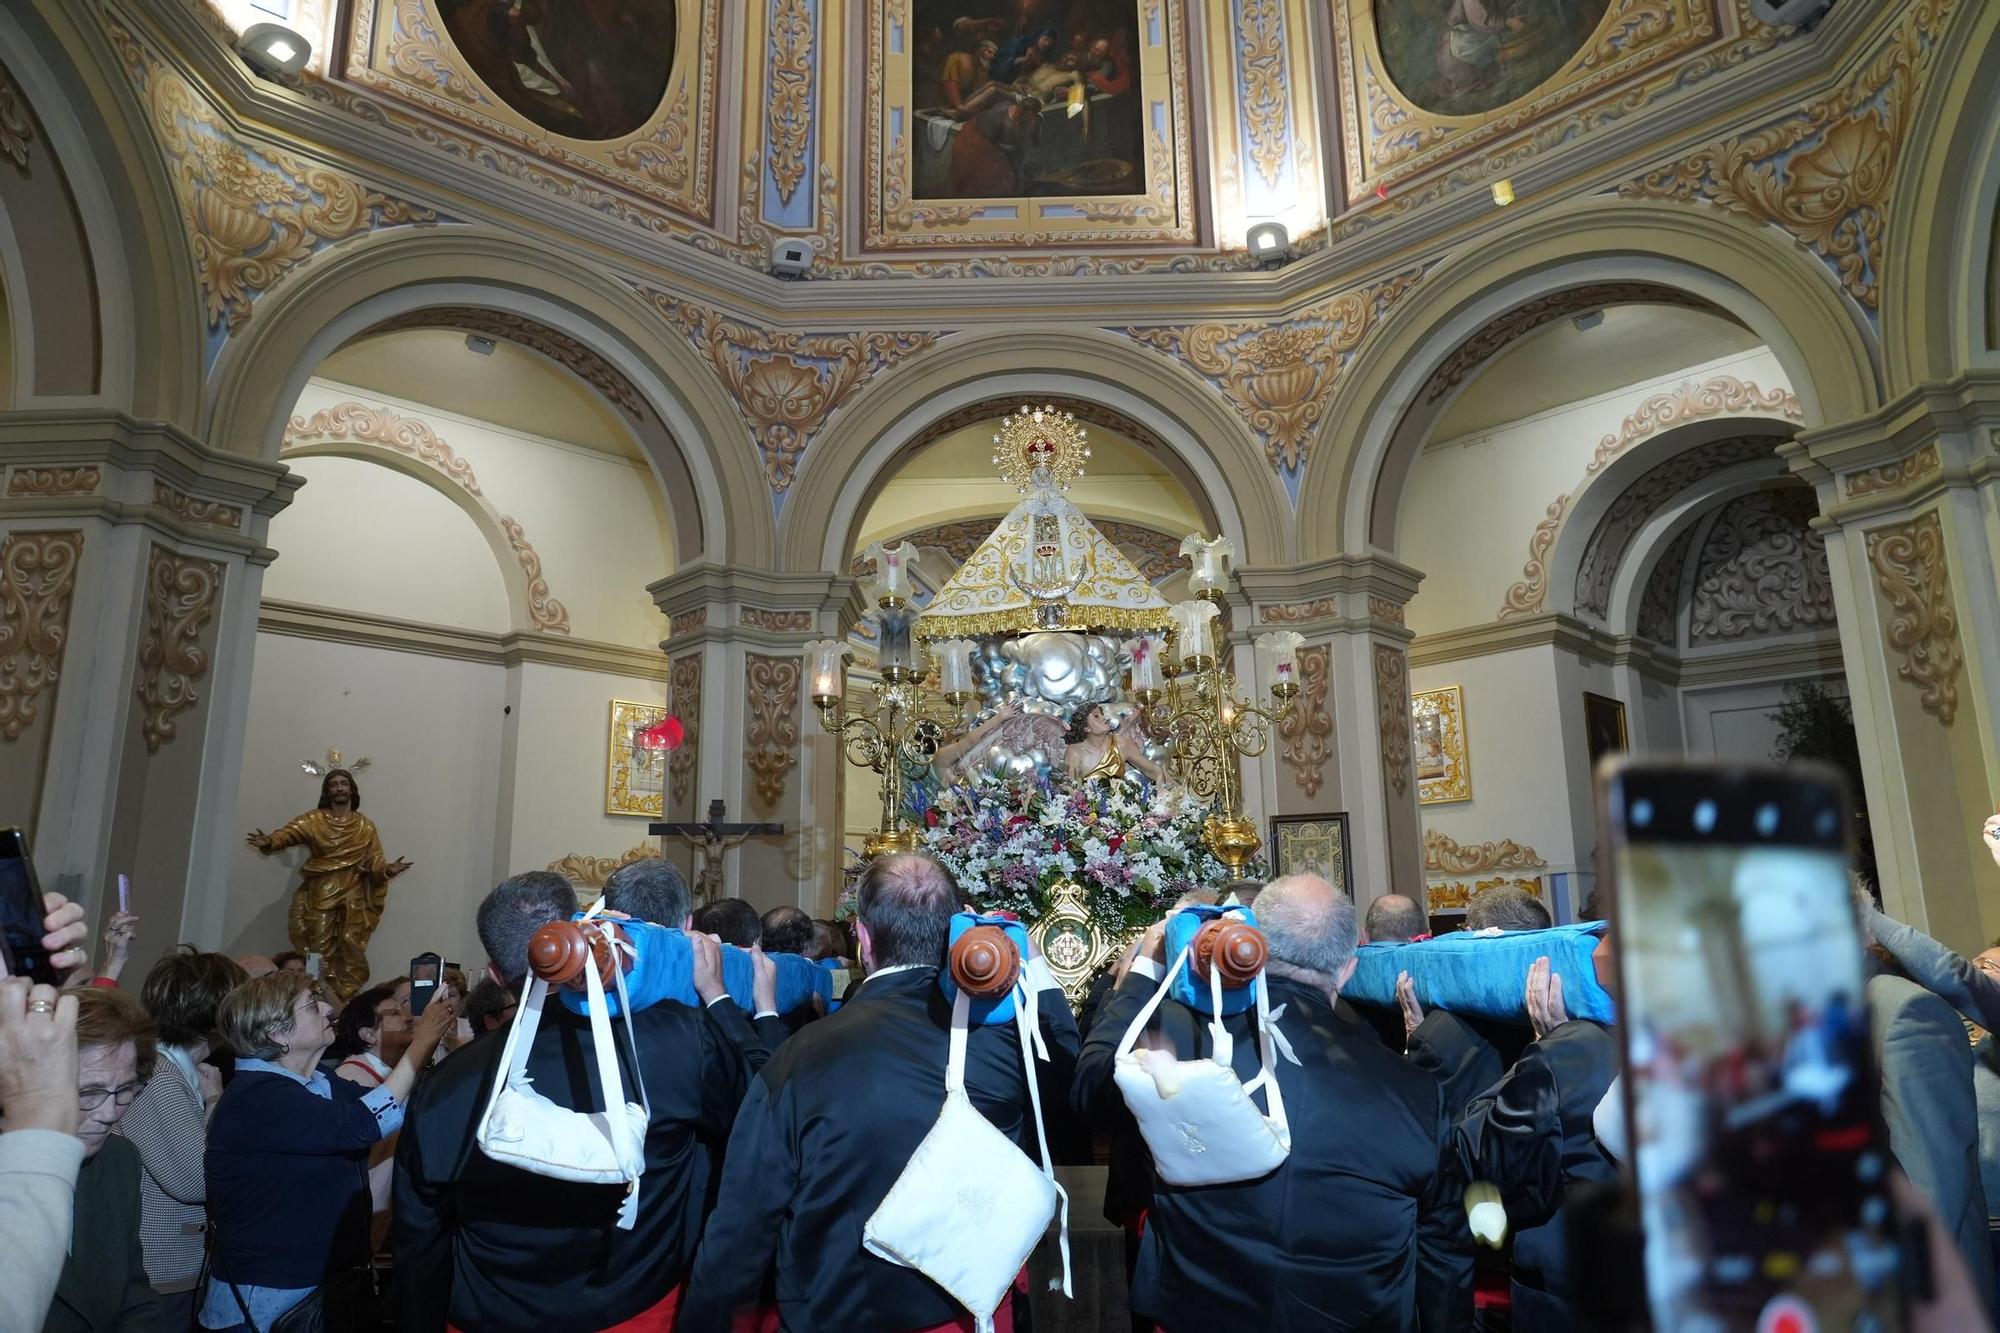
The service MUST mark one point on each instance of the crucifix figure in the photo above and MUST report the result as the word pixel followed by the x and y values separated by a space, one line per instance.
pixel 714 837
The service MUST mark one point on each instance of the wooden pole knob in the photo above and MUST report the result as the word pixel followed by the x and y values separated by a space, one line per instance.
pixel 1236 949
pixel 985 962
pixel 557 951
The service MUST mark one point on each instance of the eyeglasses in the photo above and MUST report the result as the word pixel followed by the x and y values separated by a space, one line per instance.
pixel 90 1099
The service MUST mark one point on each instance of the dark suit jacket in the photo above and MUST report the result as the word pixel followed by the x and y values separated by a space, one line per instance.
pixel 825 1132
pixel 1531 1135
pixel 103 1287
pixel 498 1249
pixel 1350 1233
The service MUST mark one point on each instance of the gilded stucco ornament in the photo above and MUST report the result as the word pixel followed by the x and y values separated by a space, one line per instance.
pixel 771 735
pixel 1922 628
pixel 1307 731
pixel 37 582
pixel 789 100
pixel 17 128
pixel 181 596
pixel 1280 376
pixel 1824 172
pixel 1392 716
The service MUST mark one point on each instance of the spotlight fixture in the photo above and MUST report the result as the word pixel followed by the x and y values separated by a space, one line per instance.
pixel 1587 321
pixel 272 48
pixel 1270 243
pixel 1503 193
pixel 791 257
pixel 478 345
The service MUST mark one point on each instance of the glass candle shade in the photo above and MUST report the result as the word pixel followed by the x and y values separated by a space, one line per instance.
pixel 1191 621
pixel 890 585
pixel 894 647
pixel 1278 657
pixel 1210 563
pixel 1146 651
pixel 954 663
pixel 825 668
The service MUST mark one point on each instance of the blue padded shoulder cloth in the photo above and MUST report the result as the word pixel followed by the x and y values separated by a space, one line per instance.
pixel 993 1009
pixel 664 970
pixel 1485 976
pixel 1190 989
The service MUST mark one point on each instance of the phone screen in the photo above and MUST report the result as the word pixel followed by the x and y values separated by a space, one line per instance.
pixel 424 971
pixel 1759 1152
pixel 21 912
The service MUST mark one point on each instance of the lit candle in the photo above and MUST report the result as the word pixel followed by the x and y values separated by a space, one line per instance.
pixel 1145 653
pixel 824 663
pixel 1210 561
pixel 1278 656
pixel 894 648
pixel 954 659
pixel 1191 620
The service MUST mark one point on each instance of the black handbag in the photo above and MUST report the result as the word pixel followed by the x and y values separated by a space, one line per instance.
pixel 347 1300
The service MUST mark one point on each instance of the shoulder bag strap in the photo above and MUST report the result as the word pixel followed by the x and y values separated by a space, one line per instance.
pixel 215 1244
pixel 1145 1015
pixel 520 1039
pixel 1027 1016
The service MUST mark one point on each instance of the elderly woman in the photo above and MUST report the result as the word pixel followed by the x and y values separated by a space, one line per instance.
pixel 287 1148
pixel 168 1124
pixel 103 1286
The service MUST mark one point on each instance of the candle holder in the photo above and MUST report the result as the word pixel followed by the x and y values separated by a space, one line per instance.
pixel 900 735
pixel 1200 713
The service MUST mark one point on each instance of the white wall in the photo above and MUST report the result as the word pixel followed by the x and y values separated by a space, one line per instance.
pixel 1474 501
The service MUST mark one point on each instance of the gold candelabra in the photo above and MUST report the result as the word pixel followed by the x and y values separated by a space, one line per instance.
pixel 1193 705
pixel 908 723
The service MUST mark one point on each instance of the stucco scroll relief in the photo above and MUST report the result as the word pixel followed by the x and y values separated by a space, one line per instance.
pixel 253 212
pixel 181 596
pixel 1717 396
pixel 1824 172
pixel 589 872
pixel 1893 476
pixel 49 482
pixel 771 740
pixel 37 580
pixel 17 131
pixel 684 682
pixel 359 423
pixel 1308 728
pixel 788 115
pixel 1443 856
pixel 1392 716
pixel 1280 376
pixel 1910 569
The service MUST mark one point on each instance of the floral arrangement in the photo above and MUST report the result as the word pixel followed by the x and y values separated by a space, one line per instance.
pixel 1009 841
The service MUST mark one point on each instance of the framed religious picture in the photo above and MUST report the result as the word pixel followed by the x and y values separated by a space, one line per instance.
pixel 1444 759
pixel 1312 845
pixel 1603 726
pixel 635 774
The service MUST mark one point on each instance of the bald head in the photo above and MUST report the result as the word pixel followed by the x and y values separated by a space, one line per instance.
pixel 1310 927
pixel 904 905
pixel 1394 919
pixel 256 965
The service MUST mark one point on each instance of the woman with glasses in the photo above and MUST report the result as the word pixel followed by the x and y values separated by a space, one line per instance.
pixel 103 1286
pixel 287 1153
pixel 169 1122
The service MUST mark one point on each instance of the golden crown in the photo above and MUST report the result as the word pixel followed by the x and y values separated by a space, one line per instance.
pixel 1040 447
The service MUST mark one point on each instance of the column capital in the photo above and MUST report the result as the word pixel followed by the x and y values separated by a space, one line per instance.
pixel 709 602
pixel 1936 435
pixel 1345 594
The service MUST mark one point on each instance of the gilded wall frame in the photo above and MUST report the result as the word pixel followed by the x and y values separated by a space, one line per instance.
pixel 1164 213
pixel 401 48
pixel 1385 137
pixel 635 777
pixel 1313 845
pixel 1443 756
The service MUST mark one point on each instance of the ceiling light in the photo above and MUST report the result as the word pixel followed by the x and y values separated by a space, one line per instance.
pixel 1270 242
pixel 1588 320
pixel 272 48
pixel 475 343
pixel 1503 192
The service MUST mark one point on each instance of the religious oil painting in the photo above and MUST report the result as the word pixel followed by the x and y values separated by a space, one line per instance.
pixel 1603 726
pixel 1468 57
pixel 1444 764
pixel 635 774
pixel 583 69
pixel 1026 98
pixel 1312 845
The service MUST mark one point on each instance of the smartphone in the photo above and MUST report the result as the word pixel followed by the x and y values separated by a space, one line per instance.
pixel 1759 1153
pixel 21 912
pixel 313 964
pixel 426 972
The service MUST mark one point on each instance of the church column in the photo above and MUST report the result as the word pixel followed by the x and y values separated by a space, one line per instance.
pixel 1346 745
pixel 737 646
pixel 133 559
pixel 1910 501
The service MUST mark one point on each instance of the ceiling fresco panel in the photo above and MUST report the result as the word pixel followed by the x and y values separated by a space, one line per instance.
pixel 1426 82
pixel 625 90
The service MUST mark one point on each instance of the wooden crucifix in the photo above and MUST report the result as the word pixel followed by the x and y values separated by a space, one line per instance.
pixel 713 836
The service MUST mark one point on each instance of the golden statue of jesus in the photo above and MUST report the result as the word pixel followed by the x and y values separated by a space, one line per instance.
pixel 342 886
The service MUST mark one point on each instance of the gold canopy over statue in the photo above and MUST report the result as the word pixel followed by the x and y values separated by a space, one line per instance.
pixel 1046 566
